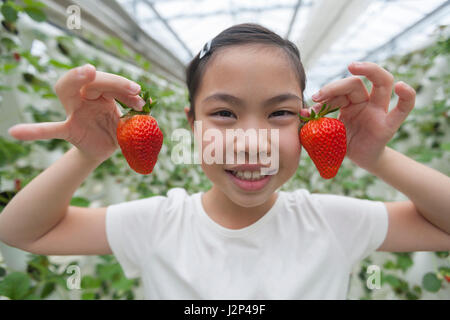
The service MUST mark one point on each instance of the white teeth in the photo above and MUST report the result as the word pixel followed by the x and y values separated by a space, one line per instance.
pixel 256 175
pixel 248 175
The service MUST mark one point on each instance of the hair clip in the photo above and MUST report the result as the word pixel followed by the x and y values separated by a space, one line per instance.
pixel 206 48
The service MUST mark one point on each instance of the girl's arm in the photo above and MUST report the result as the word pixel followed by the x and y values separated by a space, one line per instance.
pixel 427 188
pixel 423 222
pixel 39 219
pixel 36 219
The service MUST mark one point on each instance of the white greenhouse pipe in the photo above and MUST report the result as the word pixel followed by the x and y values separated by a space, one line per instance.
pixel 327 22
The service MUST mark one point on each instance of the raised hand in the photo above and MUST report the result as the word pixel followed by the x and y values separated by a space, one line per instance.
pixel 366 118
pixel 92 114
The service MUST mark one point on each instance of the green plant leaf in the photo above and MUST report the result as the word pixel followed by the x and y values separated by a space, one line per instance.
pixel 15 285
pixel 88 296
pixel 22 88
pixel 323 108
pixel 431 283
pixel 332 110
pixel 34 61
pixel 59 64
pixel 445 146
pixel 89 282
pixel 404 262
pixel 35 13
pixel 47 290
pixel 33 3
pixel 123 105
pixel 9 66
pixel 123 284
pixel 8 43
pixel 80 202
pixel 392 280
pixel 390 265
pixel 9 13
pixel 10 151
pixel 442 254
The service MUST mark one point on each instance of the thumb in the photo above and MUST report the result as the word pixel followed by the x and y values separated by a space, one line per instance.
pixel 39 131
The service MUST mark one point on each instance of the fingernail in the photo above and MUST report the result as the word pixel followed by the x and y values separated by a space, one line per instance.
pixel 10 130
pixel 134 87
pixel 83 70
pixel 357 63
pixel 141 103
pixel 317 96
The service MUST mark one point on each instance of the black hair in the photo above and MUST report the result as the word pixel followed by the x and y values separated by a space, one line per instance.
pixel 241 34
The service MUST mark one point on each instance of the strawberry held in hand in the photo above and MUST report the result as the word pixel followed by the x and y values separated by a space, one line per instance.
pixel 325 141
pixel 139 137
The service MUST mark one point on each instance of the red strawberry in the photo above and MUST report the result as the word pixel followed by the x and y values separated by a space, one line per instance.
pixel 325 141
pixel 140 138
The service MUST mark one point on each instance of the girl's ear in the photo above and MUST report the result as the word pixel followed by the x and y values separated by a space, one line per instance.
pixel 189 118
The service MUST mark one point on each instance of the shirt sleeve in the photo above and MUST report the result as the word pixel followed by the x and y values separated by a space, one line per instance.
pixel 360 225
pixel 128 231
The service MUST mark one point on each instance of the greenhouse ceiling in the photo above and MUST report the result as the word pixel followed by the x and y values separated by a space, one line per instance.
pixel 329 33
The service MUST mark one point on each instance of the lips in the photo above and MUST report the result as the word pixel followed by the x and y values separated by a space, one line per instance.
pixel 247 167
pixel 248 180
pixel 247 175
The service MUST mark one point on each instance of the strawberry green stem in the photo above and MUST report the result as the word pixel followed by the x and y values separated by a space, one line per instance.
pixel 146 109
pixel 323 111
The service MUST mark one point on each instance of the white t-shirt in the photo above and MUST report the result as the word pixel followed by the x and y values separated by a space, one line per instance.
pixel 304 247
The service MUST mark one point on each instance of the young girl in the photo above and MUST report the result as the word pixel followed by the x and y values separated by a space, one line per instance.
pixel 240 239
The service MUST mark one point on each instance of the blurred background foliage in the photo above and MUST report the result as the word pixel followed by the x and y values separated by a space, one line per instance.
pixel 26 84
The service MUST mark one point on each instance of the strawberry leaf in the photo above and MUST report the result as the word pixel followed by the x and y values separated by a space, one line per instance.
pixel 332 110
pixel 122 104
pixel 303 118
pixel 145 95
pixel 323 108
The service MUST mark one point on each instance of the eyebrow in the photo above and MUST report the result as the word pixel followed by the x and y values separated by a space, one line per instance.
pixel 224 97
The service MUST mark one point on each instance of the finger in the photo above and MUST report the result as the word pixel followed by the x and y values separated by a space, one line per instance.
pixel 352 87
pixel 135 102
pixel 69 85
pixel 382 81
pixel 338 102
pixel 306 112
pixel 406 101
pixel 39 131
pixel 112 83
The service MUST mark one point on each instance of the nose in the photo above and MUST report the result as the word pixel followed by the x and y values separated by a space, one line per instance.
pixel 251 142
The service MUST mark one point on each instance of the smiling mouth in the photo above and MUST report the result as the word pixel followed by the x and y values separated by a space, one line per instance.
pixel 249 181
pixel 247 175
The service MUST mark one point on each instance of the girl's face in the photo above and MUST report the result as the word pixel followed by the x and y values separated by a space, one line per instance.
pixel 248 77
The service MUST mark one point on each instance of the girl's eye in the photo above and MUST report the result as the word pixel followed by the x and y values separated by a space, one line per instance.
pixel 224 113
pixel 281 113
